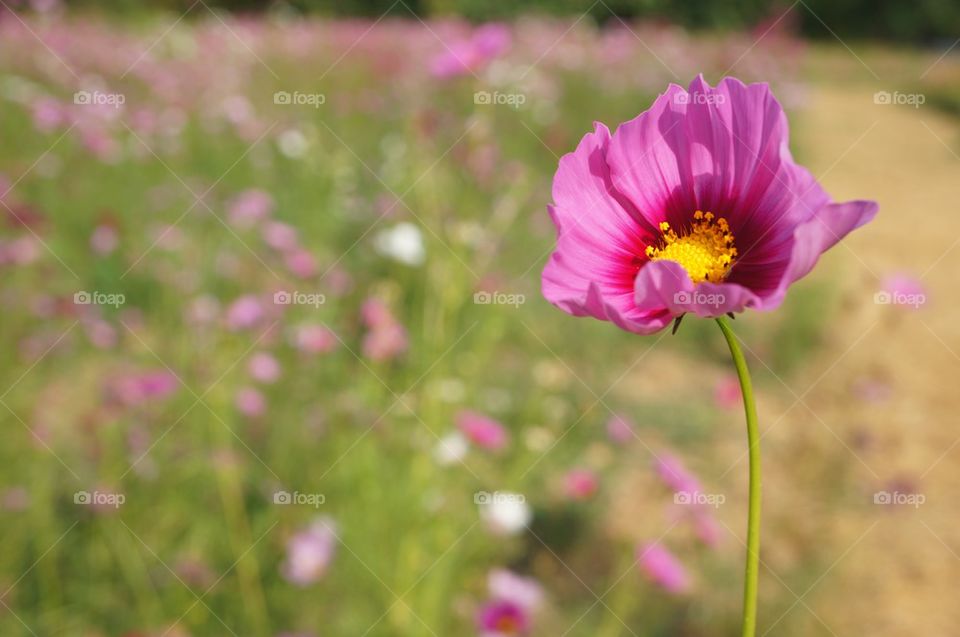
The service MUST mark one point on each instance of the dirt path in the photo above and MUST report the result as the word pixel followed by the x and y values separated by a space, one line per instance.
pixel 895 569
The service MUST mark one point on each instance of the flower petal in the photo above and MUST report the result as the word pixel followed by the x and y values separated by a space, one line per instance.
pixel 592 269
pixel 666 284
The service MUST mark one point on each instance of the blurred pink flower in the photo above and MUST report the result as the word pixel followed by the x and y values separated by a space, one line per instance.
pixel 387 338
pixel 104 239
pixel 706 528
pixel 481 430
pixel 301 263
pixel 280 236
pixel 726 393
pixel 48 115
pixel 14 499
pixel 502 618
pixel 903 290
pixel 244 313
pixel 663 568
pixel 250 402
pixel 580 484
pixel 526 592
pixel 471 54
pixel 250 207
pixel 203 310
pixel 102 335
pixel 375 312
pixel 315 339
pixel 263 367
pixel 138 388
pixel 619 429
pixel 385 342
pixel 672 472
pixel 310 552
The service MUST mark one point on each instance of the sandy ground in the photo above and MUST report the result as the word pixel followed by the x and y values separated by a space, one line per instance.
pixel 894 569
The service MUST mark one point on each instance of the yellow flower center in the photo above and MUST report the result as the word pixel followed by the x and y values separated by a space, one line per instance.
pixel 705 251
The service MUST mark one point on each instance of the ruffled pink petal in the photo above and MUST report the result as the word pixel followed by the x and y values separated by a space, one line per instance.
pixel 666 285
pixel 827 227
pixel 599 244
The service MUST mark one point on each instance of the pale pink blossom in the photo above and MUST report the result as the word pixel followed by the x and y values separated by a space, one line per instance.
pixel 310 552
pixel 675 475
pixel 250 402
pixel 314 339
pixel 263 367
pixel 619 429
pixel 249 208
pixel 726 393
pixel 280 236
pixel 244 313
pixel 580 484
pixel 663 569
pixel 482 431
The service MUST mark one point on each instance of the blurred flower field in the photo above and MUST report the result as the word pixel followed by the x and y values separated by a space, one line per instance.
pixel 275 359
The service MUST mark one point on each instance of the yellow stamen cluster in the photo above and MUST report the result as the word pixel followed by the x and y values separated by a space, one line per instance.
pixel 705 251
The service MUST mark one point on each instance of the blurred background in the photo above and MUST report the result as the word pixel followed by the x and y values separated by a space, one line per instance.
pixel 275 362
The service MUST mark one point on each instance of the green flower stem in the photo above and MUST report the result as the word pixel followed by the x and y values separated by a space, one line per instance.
pixel 753 520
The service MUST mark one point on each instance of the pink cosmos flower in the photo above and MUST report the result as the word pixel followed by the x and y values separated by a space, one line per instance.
pixel 314 339
pixel 663 568
pixel 473 53
pixel 514 600
pixel 676 476
pixel 619 429
pixel 263 367
pixel 580 484
pixel 104 239
pixel 385 342
pixel 250 402
pixel 300 263
pixel 387 338
pixel 482 431
pixel 502 618
pixel 726 393
pixel 902 289
pixel 250 207
pixel 526 592
pixel 139 388
pixel 244 313
pixel 280 236
pixel 310 552
pixel 696 205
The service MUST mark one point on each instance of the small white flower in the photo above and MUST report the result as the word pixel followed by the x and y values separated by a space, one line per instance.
pixel 506 513
pixel 292 143
pixel 451 448
pixel 403 242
